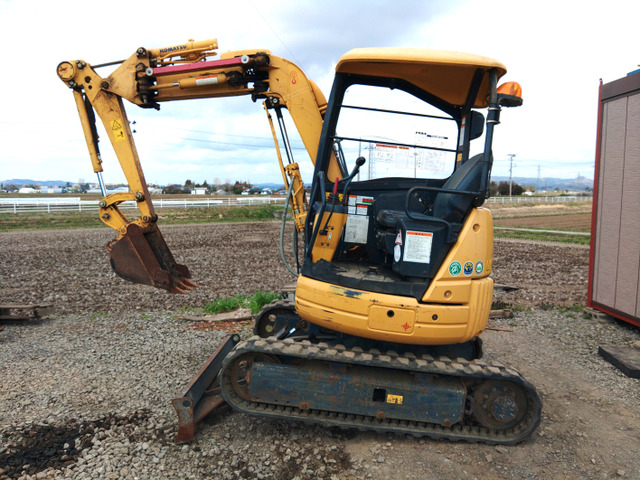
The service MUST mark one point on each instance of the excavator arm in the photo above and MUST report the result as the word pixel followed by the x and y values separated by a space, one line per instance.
pixel 182 72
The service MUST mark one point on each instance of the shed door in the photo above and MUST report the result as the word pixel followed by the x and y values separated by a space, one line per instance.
pixel 616 269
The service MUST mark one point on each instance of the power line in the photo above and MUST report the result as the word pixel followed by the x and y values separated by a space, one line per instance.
pixel 274 32
pixel 216 133
pixel 247 145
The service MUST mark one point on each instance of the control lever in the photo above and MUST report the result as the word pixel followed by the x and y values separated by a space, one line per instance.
pixel 323 231
pixel 359 162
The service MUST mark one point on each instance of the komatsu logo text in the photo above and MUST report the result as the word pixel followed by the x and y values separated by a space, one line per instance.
pixel 177 48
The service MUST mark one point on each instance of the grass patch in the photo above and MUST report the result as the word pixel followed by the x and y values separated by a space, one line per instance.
pixel 166 216
pixel 542 236
pixel 572 308
pixel 49 221
pixel 252 213
pixel 260 299
pixel 254 302
pixel 508 306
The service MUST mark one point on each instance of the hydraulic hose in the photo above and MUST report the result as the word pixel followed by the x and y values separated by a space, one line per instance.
pixel 282 227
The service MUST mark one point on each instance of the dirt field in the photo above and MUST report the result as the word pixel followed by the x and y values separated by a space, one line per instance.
pixel 68 267
pixel 590 427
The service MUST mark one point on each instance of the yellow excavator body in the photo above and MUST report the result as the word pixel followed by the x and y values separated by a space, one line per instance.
pixel 393 286
pixel 455 308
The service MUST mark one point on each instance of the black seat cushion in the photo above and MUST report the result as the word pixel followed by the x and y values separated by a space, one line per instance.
pixel 467 178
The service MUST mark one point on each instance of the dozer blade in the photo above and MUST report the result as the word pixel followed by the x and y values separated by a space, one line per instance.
pixel 144 257
pixel 202 395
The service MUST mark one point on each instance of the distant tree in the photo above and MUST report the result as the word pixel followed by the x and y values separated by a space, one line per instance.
pixel 493 189
pixel 240 187
pixel 174 189
pixel 11 187
pixel 517 189
pixel 503 189
pixel 188 185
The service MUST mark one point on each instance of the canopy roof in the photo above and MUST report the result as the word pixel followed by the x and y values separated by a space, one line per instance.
pixel 447 75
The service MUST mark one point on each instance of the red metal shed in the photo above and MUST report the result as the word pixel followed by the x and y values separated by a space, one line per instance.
pixel 614 263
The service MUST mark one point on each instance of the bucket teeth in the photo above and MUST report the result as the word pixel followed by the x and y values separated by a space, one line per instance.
pixel 183 286
pixel 191 284
pixel 178 290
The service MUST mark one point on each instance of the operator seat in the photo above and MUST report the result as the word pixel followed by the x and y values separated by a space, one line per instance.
pixel 451 207
pixel 454 207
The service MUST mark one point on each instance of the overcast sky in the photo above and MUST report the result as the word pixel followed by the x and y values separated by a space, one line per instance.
pixel 557 50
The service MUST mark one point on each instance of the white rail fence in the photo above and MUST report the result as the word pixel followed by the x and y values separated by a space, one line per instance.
pixel 76 204
pixel 532 199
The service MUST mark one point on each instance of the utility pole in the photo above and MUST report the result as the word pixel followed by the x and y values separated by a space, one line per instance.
pixel 510 155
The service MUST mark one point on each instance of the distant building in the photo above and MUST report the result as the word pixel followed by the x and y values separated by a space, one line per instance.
pixel 53 190
pixel 27 190
pixel 199 191
pixel 120 189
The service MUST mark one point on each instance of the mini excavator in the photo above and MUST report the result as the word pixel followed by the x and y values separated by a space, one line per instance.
pixel 393 286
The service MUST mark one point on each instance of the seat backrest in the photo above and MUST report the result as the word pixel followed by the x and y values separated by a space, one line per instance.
pixel 467 177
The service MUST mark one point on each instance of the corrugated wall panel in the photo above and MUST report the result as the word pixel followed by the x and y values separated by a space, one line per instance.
pixel 629 250
pixel 609 201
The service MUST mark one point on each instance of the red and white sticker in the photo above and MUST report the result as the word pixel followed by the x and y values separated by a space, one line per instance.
pixel 417 247
pixel 210 80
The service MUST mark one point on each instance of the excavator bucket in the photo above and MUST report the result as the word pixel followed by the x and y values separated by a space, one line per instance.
pixel 144 257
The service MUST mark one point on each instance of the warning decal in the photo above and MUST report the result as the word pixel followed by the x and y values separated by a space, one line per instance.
pixel 417 247
pixel 357 229
pixel 117 130
pixel 359 205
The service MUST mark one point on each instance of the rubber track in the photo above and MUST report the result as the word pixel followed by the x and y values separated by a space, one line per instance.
pixel 468 370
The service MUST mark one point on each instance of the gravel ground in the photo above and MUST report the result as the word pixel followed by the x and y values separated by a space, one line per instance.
pixel 86 393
